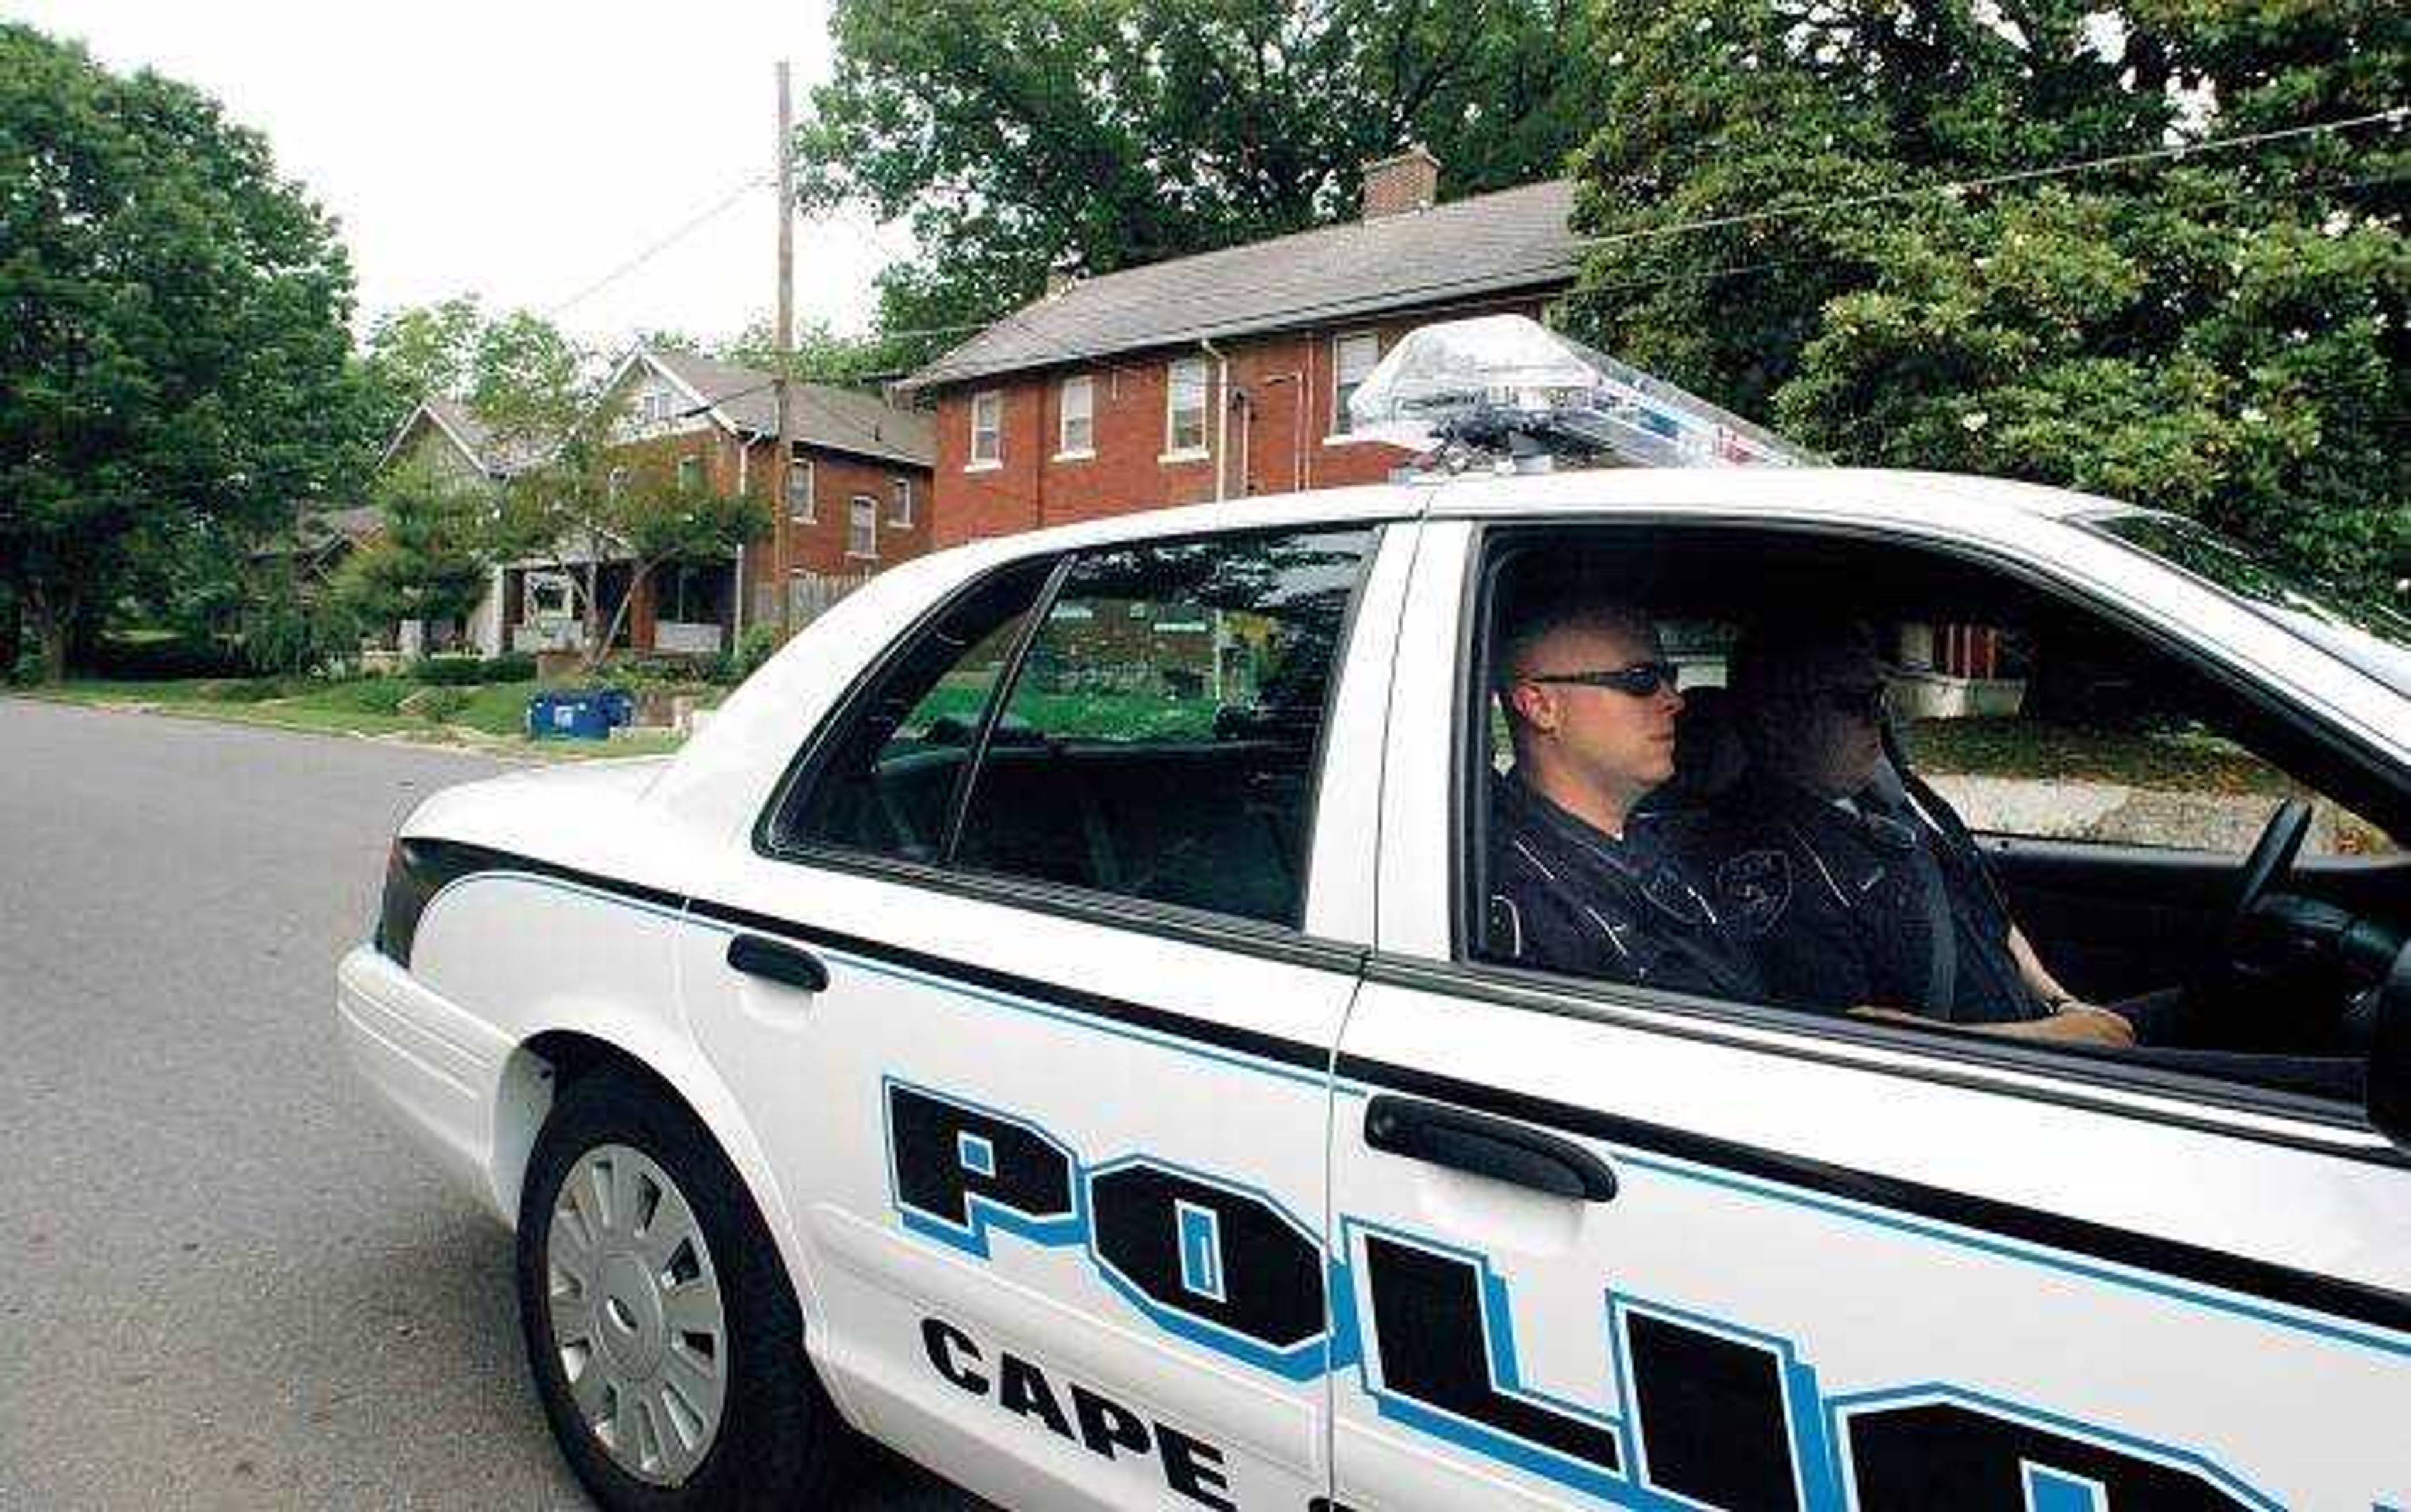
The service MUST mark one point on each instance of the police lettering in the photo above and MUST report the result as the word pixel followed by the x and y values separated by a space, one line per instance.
pixel 1716 1418
pixel 1107 1428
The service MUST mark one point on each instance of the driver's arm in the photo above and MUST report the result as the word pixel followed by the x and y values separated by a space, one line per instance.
pixel 2038 977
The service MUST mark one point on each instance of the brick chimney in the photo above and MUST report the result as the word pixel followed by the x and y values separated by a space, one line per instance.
pixel 1395 186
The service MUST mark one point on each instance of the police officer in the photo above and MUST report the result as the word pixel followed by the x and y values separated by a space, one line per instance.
pixel 1853 894
pixel 1583 878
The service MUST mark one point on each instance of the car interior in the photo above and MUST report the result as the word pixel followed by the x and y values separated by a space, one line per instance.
pixel 2203 876
pixel 1124 773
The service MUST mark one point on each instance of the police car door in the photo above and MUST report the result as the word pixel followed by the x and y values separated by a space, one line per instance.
pixel 1607 1247
pixel 1043 1051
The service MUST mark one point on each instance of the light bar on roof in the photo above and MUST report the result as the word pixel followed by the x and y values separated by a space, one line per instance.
pixel 1473 383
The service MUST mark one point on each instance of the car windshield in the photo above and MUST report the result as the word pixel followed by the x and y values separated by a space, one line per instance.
pixel 2371 636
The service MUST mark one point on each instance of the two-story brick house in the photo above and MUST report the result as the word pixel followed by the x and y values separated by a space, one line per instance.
pixel 856 498
pixel 1227 372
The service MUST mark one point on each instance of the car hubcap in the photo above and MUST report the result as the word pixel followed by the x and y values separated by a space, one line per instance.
pixel 637 1313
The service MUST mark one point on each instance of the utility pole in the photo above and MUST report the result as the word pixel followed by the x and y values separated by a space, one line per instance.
pixel 787 358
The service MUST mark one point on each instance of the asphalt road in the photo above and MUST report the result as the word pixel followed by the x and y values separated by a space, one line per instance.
pixel 223 1282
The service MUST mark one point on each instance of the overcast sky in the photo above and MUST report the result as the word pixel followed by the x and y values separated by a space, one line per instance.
pixel 522 149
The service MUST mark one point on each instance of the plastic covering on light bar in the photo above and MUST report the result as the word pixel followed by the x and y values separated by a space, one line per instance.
pixel 1514 374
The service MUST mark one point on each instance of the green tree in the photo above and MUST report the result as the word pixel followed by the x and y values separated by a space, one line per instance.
pixel 172 339
pixel 1092 135
pixel 587 503
pixel 420 350
pixel 433 560
pixel 2221 335
pixel 822 356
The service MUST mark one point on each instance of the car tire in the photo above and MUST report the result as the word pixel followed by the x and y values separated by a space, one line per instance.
pixel 662 1331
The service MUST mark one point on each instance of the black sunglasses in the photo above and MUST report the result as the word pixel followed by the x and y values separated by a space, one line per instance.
pixel 1639 680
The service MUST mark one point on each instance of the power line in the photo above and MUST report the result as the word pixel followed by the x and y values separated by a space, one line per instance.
pixel 688 228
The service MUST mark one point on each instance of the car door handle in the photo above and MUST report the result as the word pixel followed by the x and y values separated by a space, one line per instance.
pixel 1486 1146
pixel 787 964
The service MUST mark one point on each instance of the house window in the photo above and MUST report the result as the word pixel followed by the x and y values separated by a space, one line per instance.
pixel 547 597
pixel 690 473
pixel 799 491
pixel 1352 358
pixel 862 527
pixel 987 429
pixel 1184 408
pixel 899 503
pixel 1078 432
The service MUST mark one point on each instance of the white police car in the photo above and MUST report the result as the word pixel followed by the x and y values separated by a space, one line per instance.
pixel 1044 1022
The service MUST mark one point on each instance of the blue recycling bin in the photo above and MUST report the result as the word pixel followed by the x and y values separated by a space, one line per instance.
pixel 585 714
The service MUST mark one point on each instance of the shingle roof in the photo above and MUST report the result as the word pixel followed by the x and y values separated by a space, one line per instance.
pixel 1513 238
pixel 839 420
pixel 497 454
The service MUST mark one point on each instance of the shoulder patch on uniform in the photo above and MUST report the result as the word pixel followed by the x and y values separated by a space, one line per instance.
pixel 1755 887
pixel 1506 929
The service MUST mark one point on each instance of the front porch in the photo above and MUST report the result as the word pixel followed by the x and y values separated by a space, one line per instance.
pixel 679 610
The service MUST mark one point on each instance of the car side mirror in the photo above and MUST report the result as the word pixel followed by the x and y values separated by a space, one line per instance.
pixel 2389 1055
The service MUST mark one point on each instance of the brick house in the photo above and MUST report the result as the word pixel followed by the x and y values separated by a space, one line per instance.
pixel 856 498
pixel 1226 374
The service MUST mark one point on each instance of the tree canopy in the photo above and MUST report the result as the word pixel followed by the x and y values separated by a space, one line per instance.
pixel 173 348
pixel 1021 135
pixel 517 371
pixel 2220 334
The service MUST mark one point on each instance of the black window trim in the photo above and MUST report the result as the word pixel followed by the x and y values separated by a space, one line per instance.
pixel 1465 975
pixel 1269 939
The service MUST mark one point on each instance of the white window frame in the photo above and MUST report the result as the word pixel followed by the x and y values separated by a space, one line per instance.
pixel 1339 433
pixel 616 484
pixel 1065 448
pixel 811 488
pixel 1203 387
pixel 537 586
pixel 992 456
pixel 860 510
pixel 899 503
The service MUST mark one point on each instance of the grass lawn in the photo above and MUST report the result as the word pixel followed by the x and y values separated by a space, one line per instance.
pixel 489 715
pixel 2188 761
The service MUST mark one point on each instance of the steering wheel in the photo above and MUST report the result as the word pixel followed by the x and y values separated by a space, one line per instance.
pixel 2216 972
pixel 2272 856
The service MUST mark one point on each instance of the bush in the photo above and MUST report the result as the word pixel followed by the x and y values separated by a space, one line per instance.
pixel 154 658
pixel 511 667
pixel 760 642
pixel 449 672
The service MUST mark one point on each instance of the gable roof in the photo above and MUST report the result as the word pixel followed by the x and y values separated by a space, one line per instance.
pixel 1489 243
pixel 494 456
pixel 828 416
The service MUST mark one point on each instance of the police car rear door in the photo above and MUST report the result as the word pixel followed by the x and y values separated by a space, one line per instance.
pixel 1054 1125
pixel 1605 1247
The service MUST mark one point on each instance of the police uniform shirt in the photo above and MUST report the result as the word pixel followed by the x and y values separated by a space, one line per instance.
pixel 1565 897
pixel 1832 902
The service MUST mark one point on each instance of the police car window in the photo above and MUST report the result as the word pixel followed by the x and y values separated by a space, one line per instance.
pixel 884 784
pixel 1792 772
pixel 1159 741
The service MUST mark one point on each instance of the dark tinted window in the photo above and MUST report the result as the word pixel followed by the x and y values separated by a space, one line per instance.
pixel 885 784
pixel 1159 741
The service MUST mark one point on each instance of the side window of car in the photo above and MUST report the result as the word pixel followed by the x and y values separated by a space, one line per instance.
pixel 884 784
pixel 1866 780
pixel 1159 741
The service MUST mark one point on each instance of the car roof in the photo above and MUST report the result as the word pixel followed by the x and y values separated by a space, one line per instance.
pixel 1869 494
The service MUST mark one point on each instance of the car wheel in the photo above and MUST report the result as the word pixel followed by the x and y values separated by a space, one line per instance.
pixel 660 1328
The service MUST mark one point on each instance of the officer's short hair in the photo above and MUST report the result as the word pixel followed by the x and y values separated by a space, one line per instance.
pixel 1530 617
pixel 1777 667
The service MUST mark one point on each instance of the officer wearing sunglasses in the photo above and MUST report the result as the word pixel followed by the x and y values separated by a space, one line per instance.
pixel 1584 878
pixel 1853 894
